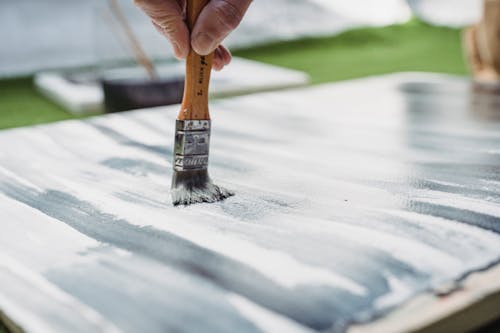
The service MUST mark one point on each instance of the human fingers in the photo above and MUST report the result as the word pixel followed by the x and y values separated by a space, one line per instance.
pixel 168 18
pixel 222 57
pixel 215 22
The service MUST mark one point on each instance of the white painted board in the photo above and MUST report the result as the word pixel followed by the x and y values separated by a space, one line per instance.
pixel 351 198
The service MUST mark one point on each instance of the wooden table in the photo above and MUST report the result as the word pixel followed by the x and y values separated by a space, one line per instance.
pixel 354 201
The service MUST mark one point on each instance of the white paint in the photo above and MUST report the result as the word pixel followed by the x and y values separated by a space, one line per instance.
pixel 443 226
pixel 27 241
pixel 265 319
pixel 307 184
pixel 21 180
pixel 412 252
pixel 399 292
pixel 460 202
pixel 36 322
pixel 280 267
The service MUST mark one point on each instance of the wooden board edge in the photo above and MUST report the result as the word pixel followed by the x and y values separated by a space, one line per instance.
pixel 9 325
pixel 474 304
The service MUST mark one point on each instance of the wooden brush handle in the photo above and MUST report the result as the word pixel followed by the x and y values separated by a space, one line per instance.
pixel 198 68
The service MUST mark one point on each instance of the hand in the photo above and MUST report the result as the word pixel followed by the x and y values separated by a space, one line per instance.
pixel 216 21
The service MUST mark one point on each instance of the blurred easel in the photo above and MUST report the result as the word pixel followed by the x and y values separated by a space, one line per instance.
pixel 137 50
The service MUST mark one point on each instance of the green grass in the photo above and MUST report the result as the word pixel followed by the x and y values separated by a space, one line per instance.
pixel 3 328
pixel 21 105
pixel 413 46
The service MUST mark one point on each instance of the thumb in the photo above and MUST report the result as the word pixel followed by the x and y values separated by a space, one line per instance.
pixel 216 21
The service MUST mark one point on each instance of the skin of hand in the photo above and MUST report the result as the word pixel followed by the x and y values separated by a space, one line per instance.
pixel 216 21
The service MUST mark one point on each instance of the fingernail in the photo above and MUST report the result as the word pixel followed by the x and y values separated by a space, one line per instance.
pixel 203 44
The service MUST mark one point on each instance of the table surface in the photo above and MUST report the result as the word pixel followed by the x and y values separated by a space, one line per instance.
pixel 351 198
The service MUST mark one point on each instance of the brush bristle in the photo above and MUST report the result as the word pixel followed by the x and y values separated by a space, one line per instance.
pixel 195 186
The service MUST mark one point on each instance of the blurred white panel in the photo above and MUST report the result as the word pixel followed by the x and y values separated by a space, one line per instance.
pixel 66 33
pixel 63 33
pixel 455 13
pixel 53 34
pixel 370 12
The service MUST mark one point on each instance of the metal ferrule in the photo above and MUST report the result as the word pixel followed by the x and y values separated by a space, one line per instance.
pixel 192 140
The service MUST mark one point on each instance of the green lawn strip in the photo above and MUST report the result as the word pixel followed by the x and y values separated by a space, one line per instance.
pixel 413 46
pixel 21 105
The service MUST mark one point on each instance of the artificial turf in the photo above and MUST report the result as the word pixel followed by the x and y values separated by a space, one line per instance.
pixel 21 105
pixel 413 46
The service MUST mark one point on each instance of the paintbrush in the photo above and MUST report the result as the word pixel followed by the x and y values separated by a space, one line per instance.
pixel 191 182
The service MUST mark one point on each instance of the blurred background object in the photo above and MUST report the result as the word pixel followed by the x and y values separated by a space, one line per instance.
pixel 482 46
pixel 140 91
pixel 64 33
pixel 67 33
pixel 125 76
pixel 69 46
pixel 452 13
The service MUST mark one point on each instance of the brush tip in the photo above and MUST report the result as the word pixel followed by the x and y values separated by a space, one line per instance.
pixel 195 186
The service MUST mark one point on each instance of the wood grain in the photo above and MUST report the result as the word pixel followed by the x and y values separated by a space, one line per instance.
pixel 198 69
pixel 489 34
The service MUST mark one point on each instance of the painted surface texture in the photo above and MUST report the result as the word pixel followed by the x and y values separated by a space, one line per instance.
pixel 350 199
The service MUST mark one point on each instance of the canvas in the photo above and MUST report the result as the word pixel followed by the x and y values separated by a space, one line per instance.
pixel 351 198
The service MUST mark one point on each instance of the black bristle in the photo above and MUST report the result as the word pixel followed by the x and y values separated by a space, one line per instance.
pixel 194 186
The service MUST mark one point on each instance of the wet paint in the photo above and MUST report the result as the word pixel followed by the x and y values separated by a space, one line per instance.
pixel 391 187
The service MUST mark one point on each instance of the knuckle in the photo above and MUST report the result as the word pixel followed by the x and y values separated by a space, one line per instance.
pixel 228 14
pixel 166 21
pixel 169 29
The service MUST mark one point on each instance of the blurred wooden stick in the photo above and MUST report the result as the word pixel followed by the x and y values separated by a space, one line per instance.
pixel 482 44
pixel 489 34
pixel 136 47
